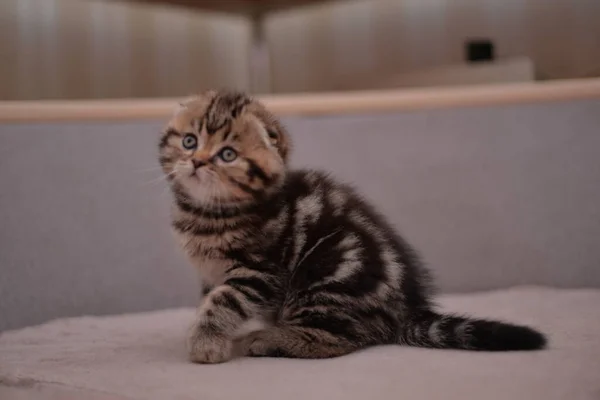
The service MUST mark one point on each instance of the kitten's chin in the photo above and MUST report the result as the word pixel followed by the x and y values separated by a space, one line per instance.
pixel 198 190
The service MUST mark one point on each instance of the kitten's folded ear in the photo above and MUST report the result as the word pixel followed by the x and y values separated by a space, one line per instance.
pixel 182 105
pixel 279 138
pixel 277 135
pixel 194 100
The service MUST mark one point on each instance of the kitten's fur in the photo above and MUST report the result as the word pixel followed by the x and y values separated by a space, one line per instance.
pixel 293 263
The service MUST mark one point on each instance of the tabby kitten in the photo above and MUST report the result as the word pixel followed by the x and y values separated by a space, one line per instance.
pixel 294 264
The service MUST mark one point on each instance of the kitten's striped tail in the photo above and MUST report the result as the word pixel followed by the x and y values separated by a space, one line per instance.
pixel 454 332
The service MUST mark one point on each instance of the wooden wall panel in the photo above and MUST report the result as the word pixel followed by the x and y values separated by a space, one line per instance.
pixel 316 48
pixel 69 49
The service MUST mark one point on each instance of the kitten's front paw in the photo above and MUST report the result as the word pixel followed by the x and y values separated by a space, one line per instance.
pixel 252 345
pixel 209 349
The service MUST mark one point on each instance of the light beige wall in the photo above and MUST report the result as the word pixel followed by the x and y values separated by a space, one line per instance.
pixel 111 49
pixel 317 48
pixel 505 71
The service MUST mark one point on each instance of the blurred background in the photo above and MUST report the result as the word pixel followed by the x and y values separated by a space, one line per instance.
pixel 75 49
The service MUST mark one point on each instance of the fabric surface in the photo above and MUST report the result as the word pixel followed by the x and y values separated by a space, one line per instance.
pixel 142 356
pixel 491 197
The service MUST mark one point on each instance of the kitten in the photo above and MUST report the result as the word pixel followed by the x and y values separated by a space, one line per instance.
pixel 294 264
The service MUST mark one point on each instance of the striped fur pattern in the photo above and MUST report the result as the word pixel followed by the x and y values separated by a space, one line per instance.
pixel 293 263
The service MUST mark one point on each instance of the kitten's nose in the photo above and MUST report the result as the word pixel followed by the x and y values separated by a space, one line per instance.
pixel 197 163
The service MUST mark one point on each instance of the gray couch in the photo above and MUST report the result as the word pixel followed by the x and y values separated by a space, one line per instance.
pixel 492 197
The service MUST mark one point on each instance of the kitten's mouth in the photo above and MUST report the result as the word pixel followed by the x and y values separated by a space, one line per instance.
pixel 194 176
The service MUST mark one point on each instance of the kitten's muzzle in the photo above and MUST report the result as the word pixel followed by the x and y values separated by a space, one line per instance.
pixel 197 163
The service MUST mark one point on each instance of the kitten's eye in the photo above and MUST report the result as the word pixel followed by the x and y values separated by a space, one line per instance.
pixel 228 154
pixel 189 141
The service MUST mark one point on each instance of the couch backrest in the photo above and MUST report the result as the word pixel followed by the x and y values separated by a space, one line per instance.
pixel 490 196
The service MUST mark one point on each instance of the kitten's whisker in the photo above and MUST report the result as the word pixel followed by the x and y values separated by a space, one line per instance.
pixel 166 190
pixel 158 168
pixel 159 179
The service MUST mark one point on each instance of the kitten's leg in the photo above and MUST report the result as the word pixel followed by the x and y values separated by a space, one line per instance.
pixel 298 342
pixel 244 299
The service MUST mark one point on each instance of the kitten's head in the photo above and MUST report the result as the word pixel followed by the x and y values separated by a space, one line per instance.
pixel 224 148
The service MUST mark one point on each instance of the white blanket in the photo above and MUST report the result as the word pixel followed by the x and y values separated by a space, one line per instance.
pixel 142 356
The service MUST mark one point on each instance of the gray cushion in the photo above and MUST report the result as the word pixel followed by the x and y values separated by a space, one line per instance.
pixel 142 356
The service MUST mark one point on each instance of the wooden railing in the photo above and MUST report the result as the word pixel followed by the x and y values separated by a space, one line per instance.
pixel 315 104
